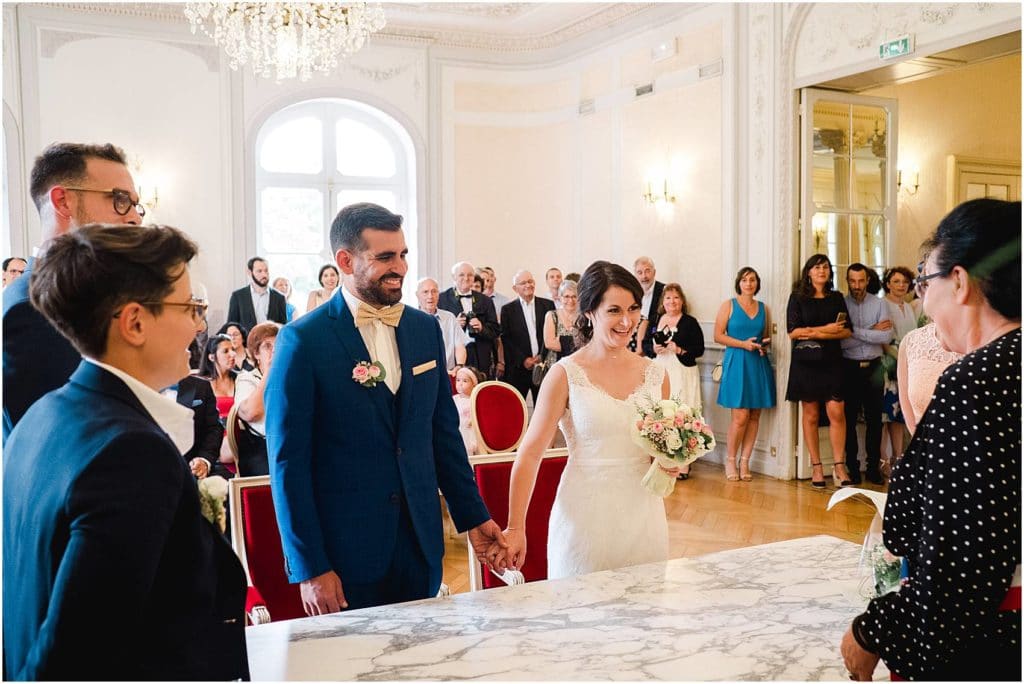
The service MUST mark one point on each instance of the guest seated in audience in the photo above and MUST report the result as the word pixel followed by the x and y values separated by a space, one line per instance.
pixel 238 334
pixel 103 537
pixel 218 368
pixel 896 283
pixel 249 388
pixel 455 338
pixel 196 394
pixel 747 385
pixel 13 268
pixel 953 512
pixel 553 279
pixel 677 341
pixel 466 378
pixel 560 325
pixel 328 279
pixel 284 286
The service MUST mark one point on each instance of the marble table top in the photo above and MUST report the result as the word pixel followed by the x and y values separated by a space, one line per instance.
pixel 770 612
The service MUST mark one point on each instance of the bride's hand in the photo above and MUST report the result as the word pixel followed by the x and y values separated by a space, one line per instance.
pixel 516 552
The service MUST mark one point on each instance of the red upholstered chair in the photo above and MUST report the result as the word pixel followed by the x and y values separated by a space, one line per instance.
pixel 493 473
pixel 451 381
pixel 499 416
pixel 257 541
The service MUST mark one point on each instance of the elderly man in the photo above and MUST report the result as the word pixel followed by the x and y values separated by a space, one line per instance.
pixel 257 302
pixel 71 185
pixel 13 268
pixel 553 278
pixel 455 338
pixel 862 376
pixel 476 315
pixel 522 335
pixel 644 269
pixel 500 300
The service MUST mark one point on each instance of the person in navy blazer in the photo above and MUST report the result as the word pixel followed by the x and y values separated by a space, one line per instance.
pixel 515 334
pixel 355 466
pixel 110 570
pixel 65 186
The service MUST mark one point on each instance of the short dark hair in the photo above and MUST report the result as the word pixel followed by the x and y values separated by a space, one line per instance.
pixel 64 163
pixel 348 226
pixel 803 287
pixel 553 268
pixel 874 285
pixel 478 280
pixel 901 270
pixel 88 274
pixel 241 328
pixel 207 368
pixel 8 260
pixel 672 287
pixel 596 280
pixel 252 262
pixel 983 236
pixel 574 277
pixel 323 269
pixel 741 274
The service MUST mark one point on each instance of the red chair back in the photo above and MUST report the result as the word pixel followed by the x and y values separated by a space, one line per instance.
pixel 451 381
pixel 492 479
pixel 257 541
pixel 499 416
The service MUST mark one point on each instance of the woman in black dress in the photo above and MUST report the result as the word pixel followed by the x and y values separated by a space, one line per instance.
pixel 816 319
pixel 953 512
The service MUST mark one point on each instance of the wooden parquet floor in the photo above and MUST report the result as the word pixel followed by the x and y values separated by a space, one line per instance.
pixel 708 514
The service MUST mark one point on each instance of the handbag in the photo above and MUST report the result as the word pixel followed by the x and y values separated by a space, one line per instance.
pixel 808 351
pixel 252 451
pixel 540 370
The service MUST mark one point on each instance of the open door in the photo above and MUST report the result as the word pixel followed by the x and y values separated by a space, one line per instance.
pixel 847 191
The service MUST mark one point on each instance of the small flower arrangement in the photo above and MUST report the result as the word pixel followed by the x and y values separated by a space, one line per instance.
pixel 674 434
pixel 213 492
pixel 368 374
pixel 885 570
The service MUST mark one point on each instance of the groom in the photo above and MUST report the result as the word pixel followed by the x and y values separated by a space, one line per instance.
pixel 362 431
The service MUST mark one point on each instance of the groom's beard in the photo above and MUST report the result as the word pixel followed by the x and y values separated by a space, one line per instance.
pixel 376 294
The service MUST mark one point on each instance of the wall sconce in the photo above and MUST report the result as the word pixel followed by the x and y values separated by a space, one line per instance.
pixel 654 198
pixel 913 181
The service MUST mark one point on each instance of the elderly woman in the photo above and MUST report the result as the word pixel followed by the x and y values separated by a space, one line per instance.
pixel 249 388
pixel 560 324
pixel 953 511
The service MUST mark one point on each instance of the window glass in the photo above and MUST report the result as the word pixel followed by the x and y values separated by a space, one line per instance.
pixel 384 198
pixel 362 151
pixel 292 220
pixel 295 146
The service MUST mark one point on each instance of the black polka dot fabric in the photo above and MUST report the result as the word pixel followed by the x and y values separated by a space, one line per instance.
pixel 954 513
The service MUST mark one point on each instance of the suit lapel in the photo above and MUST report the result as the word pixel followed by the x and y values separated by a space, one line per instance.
pixel 355 351
pixel 539 313
pixel 246 307
pixel 406 340
pixel 186 394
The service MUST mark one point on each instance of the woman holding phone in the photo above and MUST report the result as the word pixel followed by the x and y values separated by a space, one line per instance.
pixel 817 319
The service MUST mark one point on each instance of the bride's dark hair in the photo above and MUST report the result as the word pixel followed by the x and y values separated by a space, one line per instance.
pixel 596 280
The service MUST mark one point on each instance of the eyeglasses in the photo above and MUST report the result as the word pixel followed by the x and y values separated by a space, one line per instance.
pixel 921 282
pixel 198 307
pixel 123 201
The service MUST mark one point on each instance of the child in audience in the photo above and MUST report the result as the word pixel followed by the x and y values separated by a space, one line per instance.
pixel 466 378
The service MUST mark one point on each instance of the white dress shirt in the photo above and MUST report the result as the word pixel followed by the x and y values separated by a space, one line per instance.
pixel 530 312
pixel 245 385
pixel 260 302
pixel 380 341
pixel 452 333
pixel 645 303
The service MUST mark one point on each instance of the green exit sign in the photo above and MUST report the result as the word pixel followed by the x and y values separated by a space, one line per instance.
pixel 896 48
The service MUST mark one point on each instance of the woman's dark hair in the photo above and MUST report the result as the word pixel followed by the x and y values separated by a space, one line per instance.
pixel 207 368
pixel 741 274
pixel 672 287
pixel 901 270
pixel 324 269
pixel 241 328
pixel 803 287
pixel 983 236
pixel 596 280
pixel 88 275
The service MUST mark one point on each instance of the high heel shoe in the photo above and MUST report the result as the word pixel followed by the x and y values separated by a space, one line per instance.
pixel 840 481
pixel 745 469
pixel 818 484
pixel 730 470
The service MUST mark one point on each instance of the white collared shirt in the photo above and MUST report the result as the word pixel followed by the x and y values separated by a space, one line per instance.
pixel 246 383
pixel 260 302
pixel 171 417
pixel 452 333
pixel 465 299
pixel 380 341
pixel 530 313
pixel 645 303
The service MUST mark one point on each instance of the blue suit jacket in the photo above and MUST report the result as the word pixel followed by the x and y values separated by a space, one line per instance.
pixel 104 544
pixel 343 456
pixel 37 358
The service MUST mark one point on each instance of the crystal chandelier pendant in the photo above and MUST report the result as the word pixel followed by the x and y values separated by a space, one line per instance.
pixel 284 40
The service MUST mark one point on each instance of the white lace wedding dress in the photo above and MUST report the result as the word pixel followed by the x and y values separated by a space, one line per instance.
pixel 602 518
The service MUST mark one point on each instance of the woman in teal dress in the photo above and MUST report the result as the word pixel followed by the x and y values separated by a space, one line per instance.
pixel 747 384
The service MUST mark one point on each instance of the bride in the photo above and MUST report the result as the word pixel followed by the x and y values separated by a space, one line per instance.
pixel 602 518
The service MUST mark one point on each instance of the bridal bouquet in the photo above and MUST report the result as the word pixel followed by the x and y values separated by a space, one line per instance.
pixel 213 491
pixel 674 434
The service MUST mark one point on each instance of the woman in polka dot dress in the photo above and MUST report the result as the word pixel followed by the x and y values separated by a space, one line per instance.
pixel 953 511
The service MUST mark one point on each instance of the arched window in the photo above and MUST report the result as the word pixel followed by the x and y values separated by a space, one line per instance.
pixel 312 159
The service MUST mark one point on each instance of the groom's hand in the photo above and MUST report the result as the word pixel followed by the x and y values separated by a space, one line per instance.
pixel 323 594
pixel 490 545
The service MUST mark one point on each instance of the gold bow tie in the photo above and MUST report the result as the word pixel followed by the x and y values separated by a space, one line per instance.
pixel 389 315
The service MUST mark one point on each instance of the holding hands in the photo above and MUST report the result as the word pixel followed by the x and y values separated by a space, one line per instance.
pixel 490 545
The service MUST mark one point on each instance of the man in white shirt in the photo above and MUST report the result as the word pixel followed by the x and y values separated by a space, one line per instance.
pixel 645 272
pixel 522 335
pixel 455 338
pixel 553 278
pixel 258 302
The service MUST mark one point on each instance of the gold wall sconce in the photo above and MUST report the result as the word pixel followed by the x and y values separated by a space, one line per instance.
pixel 913 179
pixel 653 197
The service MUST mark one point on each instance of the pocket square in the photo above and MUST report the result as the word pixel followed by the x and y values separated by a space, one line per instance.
pixel 424 367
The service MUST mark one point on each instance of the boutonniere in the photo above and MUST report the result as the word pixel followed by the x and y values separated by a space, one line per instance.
pixel 213 491
pixel 368 374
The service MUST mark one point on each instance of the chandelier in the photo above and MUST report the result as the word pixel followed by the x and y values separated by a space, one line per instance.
pixel 286 39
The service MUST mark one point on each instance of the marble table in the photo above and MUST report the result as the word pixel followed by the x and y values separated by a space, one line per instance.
pixel 770 612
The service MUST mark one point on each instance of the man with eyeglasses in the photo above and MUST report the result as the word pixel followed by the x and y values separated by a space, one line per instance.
pixel 71 184
pixel 14 267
